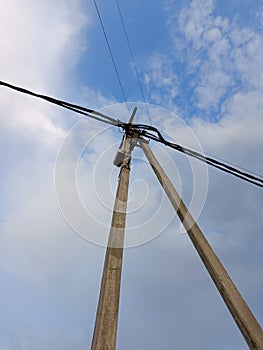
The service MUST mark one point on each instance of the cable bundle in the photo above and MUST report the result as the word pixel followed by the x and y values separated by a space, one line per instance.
pixel 144 130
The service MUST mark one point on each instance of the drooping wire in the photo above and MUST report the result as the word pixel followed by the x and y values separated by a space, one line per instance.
pixel 110 51
pixel 73 107
pixel 144 131
pixel 132 57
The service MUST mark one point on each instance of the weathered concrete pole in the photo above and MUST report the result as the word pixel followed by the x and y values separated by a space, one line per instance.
pixel 240 311
pixel 105 330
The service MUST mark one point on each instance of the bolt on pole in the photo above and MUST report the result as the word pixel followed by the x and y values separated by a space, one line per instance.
pixel 240 311
pixel 105 330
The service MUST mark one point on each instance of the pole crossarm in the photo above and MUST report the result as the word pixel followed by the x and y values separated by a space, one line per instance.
pixel 240 311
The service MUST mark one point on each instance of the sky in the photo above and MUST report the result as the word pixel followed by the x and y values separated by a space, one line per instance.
pixel 200 66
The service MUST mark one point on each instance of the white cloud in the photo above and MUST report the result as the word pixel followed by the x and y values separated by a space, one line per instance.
pixel 40 43
pixel 159 75
pixel 95 99
pixel 219 56
pixel 37 41
pixel 193 22
pixel 234 52
pixel 247 57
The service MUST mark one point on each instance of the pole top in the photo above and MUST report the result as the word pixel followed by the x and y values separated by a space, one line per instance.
pixel 132 116
pixel 124 152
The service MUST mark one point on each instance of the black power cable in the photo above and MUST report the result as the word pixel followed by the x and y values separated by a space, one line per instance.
pixel 144 130
pixel 73 107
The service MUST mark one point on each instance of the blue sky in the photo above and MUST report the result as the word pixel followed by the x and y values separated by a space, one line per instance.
pixel 200 63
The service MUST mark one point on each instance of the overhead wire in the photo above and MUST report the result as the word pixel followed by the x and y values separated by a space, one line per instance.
pixel 145 130
pixel 132 58
pixel 110 51
pixel 234 165
pixel 91 113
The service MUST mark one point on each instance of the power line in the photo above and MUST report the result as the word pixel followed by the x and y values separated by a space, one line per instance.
pixel 110 50
pixel 144 131
pixel 234 165
pixel 73 107
pixel 132 57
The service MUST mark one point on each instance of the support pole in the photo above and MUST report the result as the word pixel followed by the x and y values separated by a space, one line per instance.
pixel 240 311
pixel 105 330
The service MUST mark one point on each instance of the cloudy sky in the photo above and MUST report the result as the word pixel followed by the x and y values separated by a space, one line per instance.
pixel 200 65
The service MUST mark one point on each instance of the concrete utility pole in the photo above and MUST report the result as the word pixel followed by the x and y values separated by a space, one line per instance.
pixel 240 311
pixel 105 330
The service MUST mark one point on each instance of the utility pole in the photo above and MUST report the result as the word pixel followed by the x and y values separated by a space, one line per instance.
pixel 105 330
pixel 240 311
